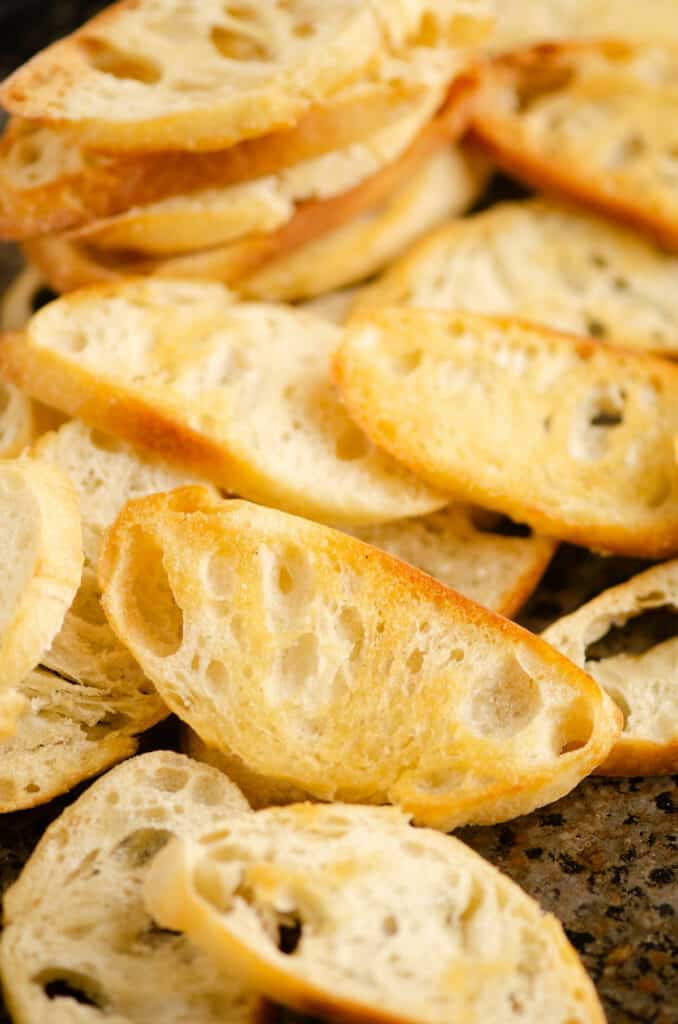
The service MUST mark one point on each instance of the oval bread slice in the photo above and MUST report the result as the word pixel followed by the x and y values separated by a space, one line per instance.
pixel 594 121
pixel 78 943
pixel 626 638
pixel 586 275
pixel 351 913
pixel 157 74
pixel 569 435
pixel 327 664
pixel 237 393
pixel 41 546
pixel 16 420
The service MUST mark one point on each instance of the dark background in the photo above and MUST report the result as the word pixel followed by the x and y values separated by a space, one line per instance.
pixel 28 25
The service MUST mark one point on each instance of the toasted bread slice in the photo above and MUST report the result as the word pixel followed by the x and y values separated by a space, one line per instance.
pixel 389 923
pixel 586 275
pixel 217 215
pixel 68 265
pixel 78 944
pixel 569 435
pixel 237 393
pixel 158 75
pixel 49 184
pixel 595 121
pixel 41 547
pixel 446 186
pixel 626 639
pixel 21 298
pixel 326 664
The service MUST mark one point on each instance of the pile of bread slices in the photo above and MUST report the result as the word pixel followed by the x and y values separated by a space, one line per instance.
pixel 301 519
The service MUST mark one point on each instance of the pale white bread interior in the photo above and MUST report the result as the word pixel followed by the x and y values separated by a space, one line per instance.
pixel 16 419
pixel 78 944
pixel 626 639
pixel 40 541
pixel 218 215
pixel 333 306
pixel 48 183
pixel 570 435
pixel 447 185
pixel 594 121
pixel 157 74
pixel 384 922
pixel 237 393
pixel 326 664
pixel 69 263
pixel 544 262
pixel 523 22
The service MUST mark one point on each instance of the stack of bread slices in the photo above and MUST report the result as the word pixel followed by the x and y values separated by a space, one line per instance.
pixel 303 527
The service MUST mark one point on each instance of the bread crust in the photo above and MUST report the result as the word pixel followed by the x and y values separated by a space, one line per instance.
pixel 361 376
pixel 428 785
pixel 497 129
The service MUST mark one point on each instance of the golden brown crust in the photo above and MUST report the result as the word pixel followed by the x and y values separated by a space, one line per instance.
pixel 494 129
pixel 108 184
pixel 631 757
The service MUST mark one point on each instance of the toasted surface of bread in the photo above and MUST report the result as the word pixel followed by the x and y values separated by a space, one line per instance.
pixel 447 184
pixel 626 639
pixel 594 121
pixel 569 435
pixel 547 263
pixel 156 75
pixel 392 924
pixel 41 546
pixel 327 664
pixel 237 393
pixel 78 944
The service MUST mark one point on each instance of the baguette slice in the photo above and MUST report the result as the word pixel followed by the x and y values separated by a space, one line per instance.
pixel 626 639
pixel 594 121
pixel 16 420
pixel 21 299
pixel 50 184
pixel 78 944
pixel 41 549
pixel 389 923
pixel 236 393
pixel 68 264
pixel 328 665
pixel 221 214
pixel 566 434
pixel 156 74
pixel 586 275
pixel 446 186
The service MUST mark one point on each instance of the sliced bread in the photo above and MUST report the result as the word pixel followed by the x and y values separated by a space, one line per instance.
pixel 237 393
pixel 78 944
pixel 544 262
pixel 327 664
pixel 626 638
pixel 41 546
pixel 446 186
pixel 21 298
pixel 350 913
pixel 16 420
pixel 595 121
pixel 571 436
pixel 158 74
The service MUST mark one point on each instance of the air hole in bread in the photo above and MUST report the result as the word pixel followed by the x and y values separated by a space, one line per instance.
pixel 351 444
pixel 62 983
pixel 219 576
pixel 505 705
pixel 139 847
pixel 596 328
pixel 289 936
pixel 636 635
pixel 404 363
pixel 151 609
pixel 299 663
pixel 352 631
pixel 239 12
pixel 238 46
pixel 624 151
pixel 104 57
pixel 207 791
pixel 105 442
pixel 415 662
pixel 74 341
pixel 575 729
pixel 216 674
pixel 493 522
pixel 540 83
pixel 170 780
pixel 390 925
pixel 155 937
pixel 303 29
pixel 87 607
pixel 600 413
